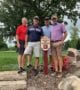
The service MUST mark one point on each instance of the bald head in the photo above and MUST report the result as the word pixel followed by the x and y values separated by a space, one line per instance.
pixel 24 21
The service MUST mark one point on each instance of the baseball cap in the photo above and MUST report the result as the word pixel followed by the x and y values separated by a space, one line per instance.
pixel 36 17
pixel 54 16
pixel 46 18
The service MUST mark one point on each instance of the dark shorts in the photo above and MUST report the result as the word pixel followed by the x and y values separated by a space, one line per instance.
pixel 22 47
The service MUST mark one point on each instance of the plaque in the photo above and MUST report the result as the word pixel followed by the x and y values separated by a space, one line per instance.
pixel 45 43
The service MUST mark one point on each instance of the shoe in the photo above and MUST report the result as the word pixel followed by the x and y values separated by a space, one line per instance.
pixel 54 74
pixel 35 72
pixel 29 66
pixel 59 75
pixel 21 70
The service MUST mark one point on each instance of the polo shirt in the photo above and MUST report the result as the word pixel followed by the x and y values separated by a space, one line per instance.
pixel 21 32
pixel 34 33
pixel 47 30
pixel 57 31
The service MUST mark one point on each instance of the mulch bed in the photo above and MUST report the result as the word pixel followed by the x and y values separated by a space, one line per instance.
pixel 47 82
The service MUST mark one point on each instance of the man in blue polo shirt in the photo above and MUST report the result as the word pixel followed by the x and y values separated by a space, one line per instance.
pixel 35 33
pixel 47 32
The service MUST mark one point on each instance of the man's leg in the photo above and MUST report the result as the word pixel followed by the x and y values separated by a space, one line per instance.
pixel 20 60
pixel 36 62
pixel 36 51
pixel 54 59
pixel 27 52
pixel 60 60
pixel 20 63
pixel 23 60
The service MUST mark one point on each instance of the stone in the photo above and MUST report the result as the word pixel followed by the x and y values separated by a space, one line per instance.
pixel 11 80
pixel 13 85
pixel 12 75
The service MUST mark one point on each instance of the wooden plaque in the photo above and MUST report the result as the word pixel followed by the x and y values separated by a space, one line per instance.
pixel 45 43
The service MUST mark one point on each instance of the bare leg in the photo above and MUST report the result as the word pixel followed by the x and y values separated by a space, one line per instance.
pixel 29 57
pixel 36 62
pixel 23 61
pixel 60 61
pixel 55 61
pixel 20 61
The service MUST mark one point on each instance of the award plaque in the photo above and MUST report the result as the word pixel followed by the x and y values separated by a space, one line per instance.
pixel 45 43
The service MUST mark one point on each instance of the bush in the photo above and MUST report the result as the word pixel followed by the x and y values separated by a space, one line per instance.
pixel 3 45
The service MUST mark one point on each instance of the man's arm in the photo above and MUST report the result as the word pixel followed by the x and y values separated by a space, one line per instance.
pixel 17 39
pixel 26 40
pixel 64 36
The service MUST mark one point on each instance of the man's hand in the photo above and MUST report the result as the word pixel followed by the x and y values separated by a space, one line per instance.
pixel 18 45
pixel 56 44
pixel 25 44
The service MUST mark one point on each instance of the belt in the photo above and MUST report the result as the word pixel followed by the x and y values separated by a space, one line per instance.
pixel 56 41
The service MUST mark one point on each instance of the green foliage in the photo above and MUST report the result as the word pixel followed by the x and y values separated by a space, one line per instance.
pixel 11 11
pixel 74 37
pixel 3 46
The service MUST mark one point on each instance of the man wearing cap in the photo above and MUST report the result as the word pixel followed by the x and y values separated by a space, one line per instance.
pixel 58 35
pixel 46 31
pixel 21 41
pixel 35 33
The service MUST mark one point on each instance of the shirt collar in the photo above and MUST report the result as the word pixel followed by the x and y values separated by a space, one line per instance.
pixel 35 26
pixel 54 24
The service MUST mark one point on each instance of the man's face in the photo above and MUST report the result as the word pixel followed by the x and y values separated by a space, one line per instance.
pixel 54 19
pixel 24 21
pixel 47 22
pixel 35 21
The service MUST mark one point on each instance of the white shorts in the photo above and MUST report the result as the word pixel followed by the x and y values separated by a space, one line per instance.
pixel 33 46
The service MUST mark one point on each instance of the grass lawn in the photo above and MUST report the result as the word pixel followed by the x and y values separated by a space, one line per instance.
pixel 8 61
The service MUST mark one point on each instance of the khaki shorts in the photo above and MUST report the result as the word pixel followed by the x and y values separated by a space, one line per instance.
pixel 33 46
pixel 56 51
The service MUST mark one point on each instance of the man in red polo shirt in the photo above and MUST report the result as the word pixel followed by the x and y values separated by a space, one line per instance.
pixel 21 39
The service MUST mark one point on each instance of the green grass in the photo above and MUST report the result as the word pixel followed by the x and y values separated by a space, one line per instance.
pixel 8 61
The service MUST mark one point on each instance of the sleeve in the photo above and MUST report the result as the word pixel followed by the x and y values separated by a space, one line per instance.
pixel 27 31
pixel 63 29
pixel 42 34
pixel 18 30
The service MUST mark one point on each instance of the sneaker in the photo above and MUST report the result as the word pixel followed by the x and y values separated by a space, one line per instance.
pixel 21 70
pixel 29 66
pixel 59 75
pixel 54 74
pixel 35 72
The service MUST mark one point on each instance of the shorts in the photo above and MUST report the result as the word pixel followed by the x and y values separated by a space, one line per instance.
pixel 22 47
pixel 56 51
pixel 33 46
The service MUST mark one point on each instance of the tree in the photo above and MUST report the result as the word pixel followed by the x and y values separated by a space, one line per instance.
pixel 11 11
pixel 74 37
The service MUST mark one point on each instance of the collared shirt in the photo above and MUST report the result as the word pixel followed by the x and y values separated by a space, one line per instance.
pixel 47 30
pixel 21 32
pixel 57 31
pixel 34 33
